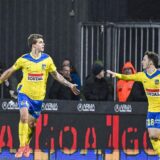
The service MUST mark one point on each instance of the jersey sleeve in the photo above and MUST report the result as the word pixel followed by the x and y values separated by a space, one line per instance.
pixel 52 67
pixel 135 77
pixel 18 64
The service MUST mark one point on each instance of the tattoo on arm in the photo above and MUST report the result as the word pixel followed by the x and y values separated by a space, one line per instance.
pixel 60 79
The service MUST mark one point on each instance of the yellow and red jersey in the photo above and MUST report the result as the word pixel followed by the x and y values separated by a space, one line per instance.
pixel 151 85
pixel 35 74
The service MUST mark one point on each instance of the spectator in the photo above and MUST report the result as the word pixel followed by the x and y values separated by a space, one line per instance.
pixel 96 86
pixel 59 91
pixel 109 82
pixel 130 90
pixel 74 75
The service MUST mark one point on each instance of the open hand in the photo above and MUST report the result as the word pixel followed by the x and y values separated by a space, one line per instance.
pixel 74 89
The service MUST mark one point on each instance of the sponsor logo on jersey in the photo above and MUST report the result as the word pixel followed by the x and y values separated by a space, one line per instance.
pixel 156 81
pixel 43 66
pixel 35 76
pixel 153 92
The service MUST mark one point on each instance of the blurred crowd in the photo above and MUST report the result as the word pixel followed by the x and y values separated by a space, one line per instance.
pixel 97 85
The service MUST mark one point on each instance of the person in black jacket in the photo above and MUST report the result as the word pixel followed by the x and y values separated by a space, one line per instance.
pixel 59 91
pixel 96 86
pixel 137 93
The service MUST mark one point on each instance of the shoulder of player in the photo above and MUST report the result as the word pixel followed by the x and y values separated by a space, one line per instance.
pixel 45 55
pixel 138 73
pixel 157 73
pixel 24 55
pixel 141 73
pixel 21 58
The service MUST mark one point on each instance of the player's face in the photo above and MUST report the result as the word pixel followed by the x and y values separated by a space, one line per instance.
pixel 145 62
pixel 39 46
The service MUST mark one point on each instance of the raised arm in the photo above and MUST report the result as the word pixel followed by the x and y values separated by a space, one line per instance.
pixel 6 74
pixel 63 81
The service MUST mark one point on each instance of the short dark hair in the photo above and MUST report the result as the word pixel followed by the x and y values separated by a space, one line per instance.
pixel 32 39
pixel 66 66
pixel 153 57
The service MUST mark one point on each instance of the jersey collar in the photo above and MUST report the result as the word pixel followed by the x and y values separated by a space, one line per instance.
pixel 30 58
pixel 31 54
pixel 154 74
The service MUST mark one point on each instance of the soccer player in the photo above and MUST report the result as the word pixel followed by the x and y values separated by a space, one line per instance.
pixel 31 90
pixel 150 79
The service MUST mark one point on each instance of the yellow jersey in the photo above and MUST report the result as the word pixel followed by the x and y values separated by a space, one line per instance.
pixel 35 74
pixel 151 85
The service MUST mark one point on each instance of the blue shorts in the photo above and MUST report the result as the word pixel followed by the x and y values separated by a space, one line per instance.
pixel 153 120
pixel 34 106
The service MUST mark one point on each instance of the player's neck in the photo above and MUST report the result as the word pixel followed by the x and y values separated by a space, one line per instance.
pixel 151 69
pixel 35 54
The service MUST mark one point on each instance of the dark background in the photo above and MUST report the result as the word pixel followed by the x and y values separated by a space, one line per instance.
pixel 58 21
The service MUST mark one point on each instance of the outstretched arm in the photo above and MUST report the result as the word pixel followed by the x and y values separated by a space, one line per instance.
pixel 135 77
pixel 6 74
pixel 62 80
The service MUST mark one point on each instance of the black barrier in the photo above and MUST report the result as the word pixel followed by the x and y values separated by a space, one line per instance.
pixel 73 126
pixel 83 107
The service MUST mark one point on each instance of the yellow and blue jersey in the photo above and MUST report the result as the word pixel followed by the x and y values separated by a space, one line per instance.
pixel 151 85
pixel 35 74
